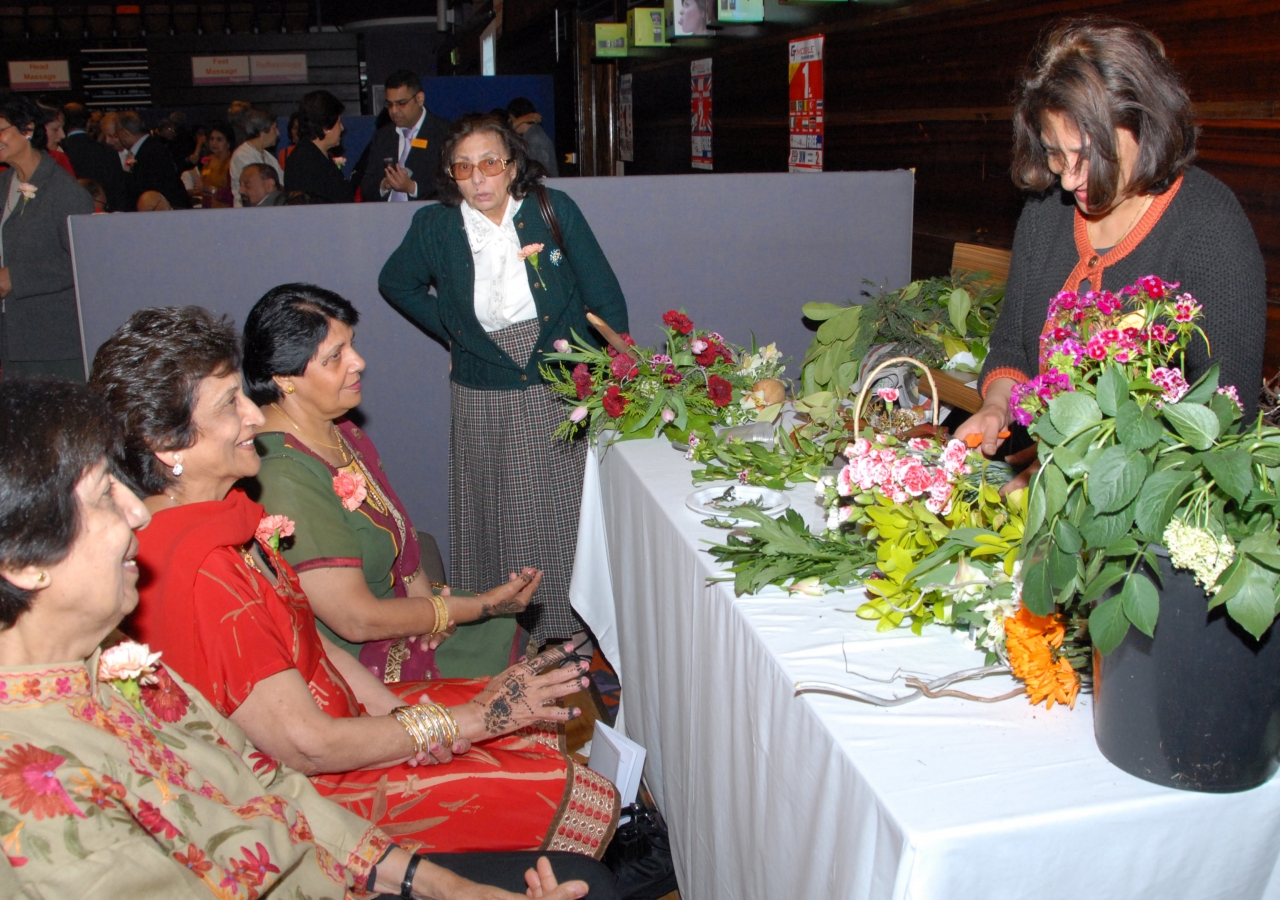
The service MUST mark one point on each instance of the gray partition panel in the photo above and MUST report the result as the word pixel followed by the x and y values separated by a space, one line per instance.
pixel 740 253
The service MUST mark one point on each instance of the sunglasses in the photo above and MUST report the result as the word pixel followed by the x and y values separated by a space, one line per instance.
pixel 492 166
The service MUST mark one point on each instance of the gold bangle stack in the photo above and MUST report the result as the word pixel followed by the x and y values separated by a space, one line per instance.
pixel 428 724
pixel 442 614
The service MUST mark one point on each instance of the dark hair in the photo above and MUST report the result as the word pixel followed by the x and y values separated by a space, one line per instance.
pixel 22 112
pixel 520 106
pixel 224 129
pixel 131 122
pixel 94 188
pixel 149 372
pixel 1100 75
pixel 258 121
pixel 263 169
pixel 303 198
pixel 51 433
pixel 283 332
pixel 403 78
pixel 75 115
pixel 317 113
pixel 528 171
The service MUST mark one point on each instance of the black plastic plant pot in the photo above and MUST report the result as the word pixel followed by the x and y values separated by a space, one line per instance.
pixel 1197 707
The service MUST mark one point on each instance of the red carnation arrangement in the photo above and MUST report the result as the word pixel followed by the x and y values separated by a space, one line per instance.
pixel 614 403
pixel 719 390
pixel 582 380
pixel 677 321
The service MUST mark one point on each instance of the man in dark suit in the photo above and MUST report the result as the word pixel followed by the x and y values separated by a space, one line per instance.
pixel 152 167
pixel 94 160
pixel 260 186
pixel 404 156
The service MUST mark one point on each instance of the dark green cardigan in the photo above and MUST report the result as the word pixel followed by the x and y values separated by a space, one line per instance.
pixel 435 253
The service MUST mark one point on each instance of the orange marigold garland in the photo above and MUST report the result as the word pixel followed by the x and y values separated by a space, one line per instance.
pixel 1034 645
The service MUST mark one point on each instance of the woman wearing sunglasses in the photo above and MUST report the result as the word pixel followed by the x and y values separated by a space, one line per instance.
pixel 499 308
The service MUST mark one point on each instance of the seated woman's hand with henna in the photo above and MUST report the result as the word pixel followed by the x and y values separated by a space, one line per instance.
pixel 504 600
pixel 521 696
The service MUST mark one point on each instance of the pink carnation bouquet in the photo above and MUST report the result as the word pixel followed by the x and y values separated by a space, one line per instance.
pixel 1142 330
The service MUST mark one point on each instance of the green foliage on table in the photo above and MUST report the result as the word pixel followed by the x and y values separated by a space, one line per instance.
pixel 949 568
pixel 793 460
pixel 782 551
pixel 932 320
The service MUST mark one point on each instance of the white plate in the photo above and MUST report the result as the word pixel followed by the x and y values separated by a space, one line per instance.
pixel 701 501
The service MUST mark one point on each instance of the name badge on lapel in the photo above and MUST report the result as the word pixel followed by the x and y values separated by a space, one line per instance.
pixel 418 143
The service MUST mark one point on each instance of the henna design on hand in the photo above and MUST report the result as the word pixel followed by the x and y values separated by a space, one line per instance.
pixel 505 700
pixel 501 608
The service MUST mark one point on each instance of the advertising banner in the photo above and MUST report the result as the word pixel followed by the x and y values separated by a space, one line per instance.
pixel 805 112
pixel 700 79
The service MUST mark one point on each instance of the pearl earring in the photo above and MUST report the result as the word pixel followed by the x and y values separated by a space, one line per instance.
pixel 177 465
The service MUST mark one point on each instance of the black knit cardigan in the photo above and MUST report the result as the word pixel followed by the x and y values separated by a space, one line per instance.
pixel 1203 241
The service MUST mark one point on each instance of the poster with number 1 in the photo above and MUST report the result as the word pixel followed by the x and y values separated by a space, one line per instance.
pixel 700 83
pixel 806 114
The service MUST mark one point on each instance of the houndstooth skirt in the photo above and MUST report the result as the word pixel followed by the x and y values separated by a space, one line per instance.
pixel 515 491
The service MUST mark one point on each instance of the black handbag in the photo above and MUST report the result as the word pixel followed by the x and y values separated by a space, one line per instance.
pixel 640 856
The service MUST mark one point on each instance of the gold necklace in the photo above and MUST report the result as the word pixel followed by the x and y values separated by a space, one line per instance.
pixel 334 428
pixel 1142 208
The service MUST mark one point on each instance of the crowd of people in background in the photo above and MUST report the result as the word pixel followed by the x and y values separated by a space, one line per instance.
pixel 240 161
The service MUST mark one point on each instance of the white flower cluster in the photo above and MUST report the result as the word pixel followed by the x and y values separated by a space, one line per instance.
pixel 1200 550
pixel 990 637
pixel 766 355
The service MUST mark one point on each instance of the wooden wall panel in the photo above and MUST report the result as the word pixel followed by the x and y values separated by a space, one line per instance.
pixel 927 85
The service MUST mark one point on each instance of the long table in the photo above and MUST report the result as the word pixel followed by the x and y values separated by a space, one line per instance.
pixel 771 795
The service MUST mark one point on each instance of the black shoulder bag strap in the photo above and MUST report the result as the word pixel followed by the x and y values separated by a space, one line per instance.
pixel 549 215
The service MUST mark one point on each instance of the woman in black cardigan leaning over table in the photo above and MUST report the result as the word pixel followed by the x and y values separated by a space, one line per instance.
pixel 514 488
pixel 1102 114
pixel 39 326
pixel 309 167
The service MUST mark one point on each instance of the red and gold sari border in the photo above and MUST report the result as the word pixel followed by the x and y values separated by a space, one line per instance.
pixel 587 816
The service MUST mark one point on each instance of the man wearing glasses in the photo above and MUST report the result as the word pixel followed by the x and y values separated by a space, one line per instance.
pixel 404 156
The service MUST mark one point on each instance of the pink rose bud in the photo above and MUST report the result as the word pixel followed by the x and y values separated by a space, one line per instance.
pixel 579 413
pixel 562 346
pixel 668 415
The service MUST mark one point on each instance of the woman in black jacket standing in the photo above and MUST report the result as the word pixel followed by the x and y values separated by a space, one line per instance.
pixel 39 324
pixel 1104 135
pixel 309 168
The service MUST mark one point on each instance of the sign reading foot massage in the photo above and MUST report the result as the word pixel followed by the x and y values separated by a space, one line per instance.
pixel 805 111
pixel 700 82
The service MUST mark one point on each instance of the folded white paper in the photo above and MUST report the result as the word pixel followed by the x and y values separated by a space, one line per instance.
pixel 618 758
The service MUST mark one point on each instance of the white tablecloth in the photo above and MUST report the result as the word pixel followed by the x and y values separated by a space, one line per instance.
pixel 772 795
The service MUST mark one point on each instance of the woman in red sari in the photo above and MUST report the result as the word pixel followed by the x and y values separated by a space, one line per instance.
pixel 227 610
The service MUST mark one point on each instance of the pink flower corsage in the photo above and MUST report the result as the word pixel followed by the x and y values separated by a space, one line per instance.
pixel 351 489
pixel 129 665
pixel 530 252
pixel 272 528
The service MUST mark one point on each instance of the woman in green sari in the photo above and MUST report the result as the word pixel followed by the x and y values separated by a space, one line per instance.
pixel 358 556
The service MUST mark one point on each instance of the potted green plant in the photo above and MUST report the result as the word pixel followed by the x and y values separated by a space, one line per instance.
pixel 1154 515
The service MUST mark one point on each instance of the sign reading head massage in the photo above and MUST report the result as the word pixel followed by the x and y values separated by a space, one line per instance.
pixel 39 75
